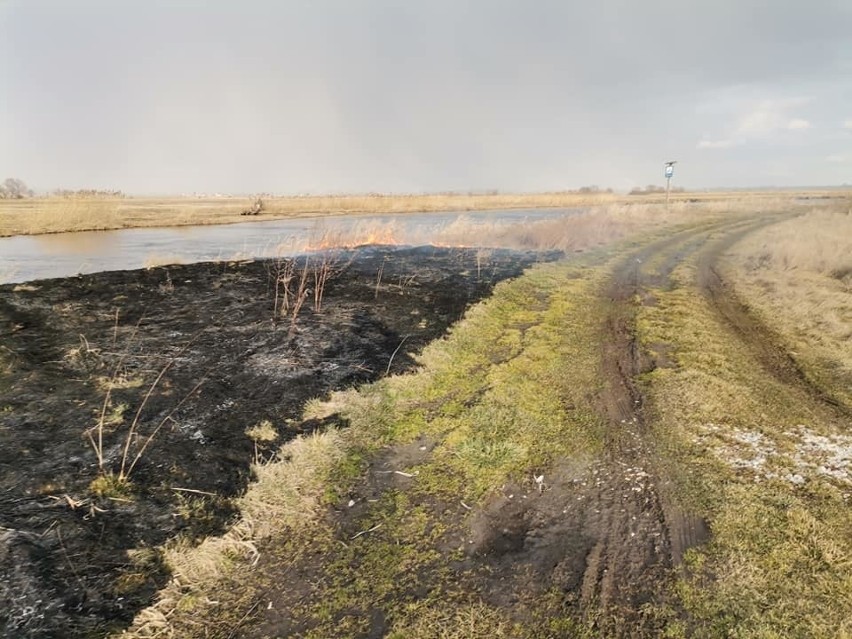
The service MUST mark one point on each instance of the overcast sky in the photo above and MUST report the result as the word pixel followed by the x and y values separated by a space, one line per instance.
pixel 377 95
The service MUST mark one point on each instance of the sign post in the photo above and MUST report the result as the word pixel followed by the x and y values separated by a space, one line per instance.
pixel 669 174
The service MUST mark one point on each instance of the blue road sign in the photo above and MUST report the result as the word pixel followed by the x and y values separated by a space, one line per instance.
pixel 669 171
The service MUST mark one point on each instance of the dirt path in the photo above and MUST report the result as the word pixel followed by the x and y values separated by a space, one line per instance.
pixel 640 532
pixel 645 531
pixel 627 532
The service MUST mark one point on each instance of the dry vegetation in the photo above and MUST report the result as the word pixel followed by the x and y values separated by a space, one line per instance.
pixel 55 214
pixel 767 467
pixel 797 275
pixel 745 452
pixel 595 226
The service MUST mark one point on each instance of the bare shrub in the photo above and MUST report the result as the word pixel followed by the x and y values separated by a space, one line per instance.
pixel 282 273
pixel 132 449
pixel 300 293
pixel 323 270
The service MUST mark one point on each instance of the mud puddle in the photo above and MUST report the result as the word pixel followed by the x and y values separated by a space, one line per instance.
pixel 177 364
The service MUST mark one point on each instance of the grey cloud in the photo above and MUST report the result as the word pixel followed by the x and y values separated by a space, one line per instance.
pixel 387 95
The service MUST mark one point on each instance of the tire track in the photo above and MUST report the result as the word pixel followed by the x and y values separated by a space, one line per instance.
pixel 610 536
pixel 759 340
pixel 642 531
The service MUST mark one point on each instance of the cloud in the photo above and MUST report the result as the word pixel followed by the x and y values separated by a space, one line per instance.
pixel 715 144
pixel 838 158
pixel 443 95
pixel 797 124
pixel 770 116
pixel 760 122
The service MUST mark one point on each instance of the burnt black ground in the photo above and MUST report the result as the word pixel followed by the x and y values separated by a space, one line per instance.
pixel 73 563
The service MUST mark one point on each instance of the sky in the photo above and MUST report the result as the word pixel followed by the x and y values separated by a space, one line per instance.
pixel 334 96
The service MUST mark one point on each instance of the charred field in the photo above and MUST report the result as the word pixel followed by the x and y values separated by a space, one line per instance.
pixel 134 403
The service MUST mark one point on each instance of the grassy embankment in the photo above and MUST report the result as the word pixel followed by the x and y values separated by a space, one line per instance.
pixel 55 214
pixel 765 463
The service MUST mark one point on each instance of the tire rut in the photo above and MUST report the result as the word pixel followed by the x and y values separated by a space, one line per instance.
pixel 608 534
pixel 630 564
pixel 761 342
pixel 642 531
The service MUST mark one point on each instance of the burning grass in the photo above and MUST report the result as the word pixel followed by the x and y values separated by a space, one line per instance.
pixel 577 231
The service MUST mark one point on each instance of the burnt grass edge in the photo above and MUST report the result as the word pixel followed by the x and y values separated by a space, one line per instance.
pixel 44 560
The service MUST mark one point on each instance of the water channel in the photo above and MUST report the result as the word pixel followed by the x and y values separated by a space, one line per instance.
pixel 30 257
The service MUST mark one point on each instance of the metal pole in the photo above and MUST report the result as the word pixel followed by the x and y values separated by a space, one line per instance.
pixel 668 184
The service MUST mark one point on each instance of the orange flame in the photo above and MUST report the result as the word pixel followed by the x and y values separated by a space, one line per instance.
pixel 333 241
pixel 386 236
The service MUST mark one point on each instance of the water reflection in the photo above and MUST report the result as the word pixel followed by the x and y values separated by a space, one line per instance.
pixel 82 243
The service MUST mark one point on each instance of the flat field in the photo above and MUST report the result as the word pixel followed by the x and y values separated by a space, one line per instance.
pixel 57 214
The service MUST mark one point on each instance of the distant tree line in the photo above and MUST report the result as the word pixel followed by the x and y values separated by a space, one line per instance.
pixel 653 188
pixel 594 188
pixel 84 193
pixel 14 189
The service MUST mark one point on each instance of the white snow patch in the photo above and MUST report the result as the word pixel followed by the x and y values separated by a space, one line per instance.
pixel 812 455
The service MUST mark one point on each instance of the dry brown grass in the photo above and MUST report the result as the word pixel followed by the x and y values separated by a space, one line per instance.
pixel 52 215
pixel 594 226
pixel 56 214
pixel 285 496
pixel 797 275
pixel 819 242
